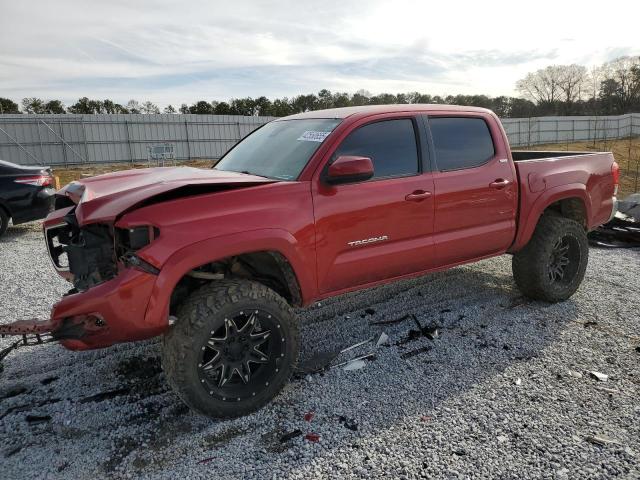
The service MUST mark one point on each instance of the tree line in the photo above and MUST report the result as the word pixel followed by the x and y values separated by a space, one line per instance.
pixel 612 88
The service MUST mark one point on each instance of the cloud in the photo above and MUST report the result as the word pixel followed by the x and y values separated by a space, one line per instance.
pixel 174 52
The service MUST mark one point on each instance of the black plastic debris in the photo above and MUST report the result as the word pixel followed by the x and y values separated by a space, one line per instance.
pixel 369 311
pixel 392 321
pixel 349 423
pixel 288 436
pixel 430 332
pixel 415 352
pixel 48 380
pixel 35 419
pixel 623 231
pixel 411 336
pixel 589 324
pixel 445 310
pixel 318 363
pixel 638 349
pixel 102 396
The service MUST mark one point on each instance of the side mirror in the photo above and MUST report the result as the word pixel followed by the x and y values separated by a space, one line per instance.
pixel 348 168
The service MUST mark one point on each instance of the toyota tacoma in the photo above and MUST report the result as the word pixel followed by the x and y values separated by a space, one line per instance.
pixel 307 207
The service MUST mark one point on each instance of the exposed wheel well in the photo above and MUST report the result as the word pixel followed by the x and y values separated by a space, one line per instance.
pixel 268 267
pixel 572 208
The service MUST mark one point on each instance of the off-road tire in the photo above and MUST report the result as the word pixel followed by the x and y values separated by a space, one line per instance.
pixel 531 264
pixel 203 312
pixel 4 221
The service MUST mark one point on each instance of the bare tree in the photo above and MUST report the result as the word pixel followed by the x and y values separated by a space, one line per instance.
pixel 149 107
pixel 133 106
pixel 542 86
pixel 625 72
pixel 573 82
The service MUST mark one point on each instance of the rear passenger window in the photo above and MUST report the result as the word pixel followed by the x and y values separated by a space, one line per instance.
pixel 390 144
pixel 461 142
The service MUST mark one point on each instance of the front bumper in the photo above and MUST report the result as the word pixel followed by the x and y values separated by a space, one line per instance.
pixel 109 313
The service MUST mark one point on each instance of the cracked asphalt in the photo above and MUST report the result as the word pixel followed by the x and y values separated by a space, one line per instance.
pixel 503 390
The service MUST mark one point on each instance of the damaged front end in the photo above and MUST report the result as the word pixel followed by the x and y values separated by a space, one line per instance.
pixel 95 312
pixel 90 255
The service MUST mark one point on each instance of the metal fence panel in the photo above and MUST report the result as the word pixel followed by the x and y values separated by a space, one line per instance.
pixel 85 139
pixel 89 139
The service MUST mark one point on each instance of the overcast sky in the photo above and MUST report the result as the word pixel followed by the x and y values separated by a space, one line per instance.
pixel 178 51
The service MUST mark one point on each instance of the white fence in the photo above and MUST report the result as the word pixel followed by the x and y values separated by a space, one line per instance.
pixel 87 139
pixel 542 130
pixel 91 139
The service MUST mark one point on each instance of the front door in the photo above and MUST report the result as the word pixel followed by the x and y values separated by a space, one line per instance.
pixel 380 228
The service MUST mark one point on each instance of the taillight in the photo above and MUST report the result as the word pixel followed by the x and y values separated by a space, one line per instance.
pixel 36 181
pixel 615 171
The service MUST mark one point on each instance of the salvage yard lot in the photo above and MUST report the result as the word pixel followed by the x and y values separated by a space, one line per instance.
pixel 502 391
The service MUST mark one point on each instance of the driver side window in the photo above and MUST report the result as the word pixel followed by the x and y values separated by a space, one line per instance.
pixel 390 144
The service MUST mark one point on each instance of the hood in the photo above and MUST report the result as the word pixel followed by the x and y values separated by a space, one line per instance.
pixel 103 198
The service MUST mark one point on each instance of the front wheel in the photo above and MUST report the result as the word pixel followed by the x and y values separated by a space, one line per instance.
pixel 232 349
pixel 552 265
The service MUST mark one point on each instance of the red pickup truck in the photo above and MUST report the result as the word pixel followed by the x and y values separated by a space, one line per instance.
pixel 306 207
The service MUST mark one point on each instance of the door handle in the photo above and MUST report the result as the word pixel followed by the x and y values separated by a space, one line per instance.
pixel 499 184
pixel 417 196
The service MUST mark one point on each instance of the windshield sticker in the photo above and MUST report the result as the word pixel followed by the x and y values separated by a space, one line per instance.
pixel 311 136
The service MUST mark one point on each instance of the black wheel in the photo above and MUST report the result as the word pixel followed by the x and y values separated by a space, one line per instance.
pixel 4 221
pixel 232 349
pixel 552 265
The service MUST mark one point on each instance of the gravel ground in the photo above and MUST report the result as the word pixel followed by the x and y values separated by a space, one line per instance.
pixel 503 391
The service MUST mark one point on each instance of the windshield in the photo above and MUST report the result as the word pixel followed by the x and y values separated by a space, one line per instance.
pixel 280 149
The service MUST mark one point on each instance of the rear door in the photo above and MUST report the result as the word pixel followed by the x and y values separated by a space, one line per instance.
pixel 475 188
pixel 381 228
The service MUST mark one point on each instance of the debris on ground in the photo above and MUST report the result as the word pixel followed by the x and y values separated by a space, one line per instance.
pixel 430 332
pixel 623 231
pixel 353 365
pixel 349 423
pixel 601 377
pixel 288 436
pixel 590 323
pixel 205 460
pixel 318 363
pixel 108 395
pixel 392 321
pixel 356 345
pixel 35 419
pixel 574 374
pixel 309 416
pixel 312 437
pixel 383 340
pixel 601 440
pixel 415 352
pixel 518 382
pixel 368 356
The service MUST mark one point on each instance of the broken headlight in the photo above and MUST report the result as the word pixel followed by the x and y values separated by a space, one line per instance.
pixel 133 239
pixel 130 240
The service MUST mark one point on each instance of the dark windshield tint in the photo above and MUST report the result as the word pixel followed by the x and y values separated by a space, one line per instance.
pixel 390 144
pixel 461 142
pixel 279 149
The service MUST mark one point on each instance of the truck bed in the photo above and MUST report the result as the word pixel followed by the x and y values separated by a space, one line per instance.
pixel 544 176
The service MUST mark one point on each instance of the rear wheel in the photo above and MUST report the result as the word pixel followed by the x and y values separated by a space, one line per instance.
pixel 552 265
pixel 232 349
pixel 4 221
